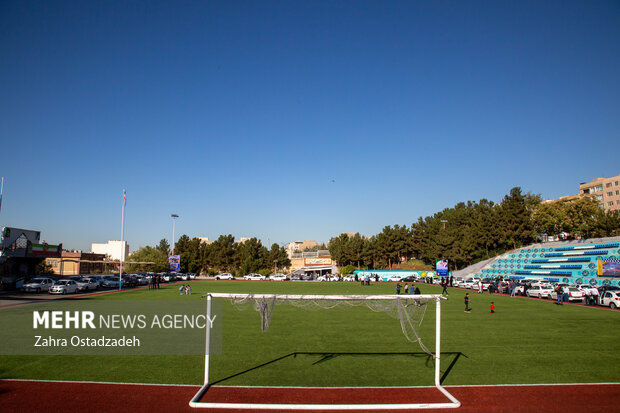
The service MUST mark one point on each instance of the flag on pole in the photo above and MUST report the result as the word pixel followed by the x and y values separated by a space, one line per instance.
pixel 124 198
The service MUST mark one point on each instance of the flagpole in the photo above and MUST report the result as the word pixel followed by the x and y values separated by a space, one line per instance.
pixel 1 189
pixel 120 275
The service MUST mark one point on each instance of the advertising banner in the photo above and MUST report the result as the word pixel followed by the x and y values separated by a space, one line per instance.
pixel 608 267
pixel 174 263
pixel 442 268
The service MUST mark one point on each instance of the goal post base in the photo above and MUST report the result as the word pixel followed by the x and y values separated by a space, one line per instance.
pixel 320 398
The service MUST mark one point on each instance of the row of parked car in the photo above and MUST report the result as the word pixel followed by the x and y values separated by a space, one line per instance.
pixel 74 284
pixel 608 296
pixel 254 277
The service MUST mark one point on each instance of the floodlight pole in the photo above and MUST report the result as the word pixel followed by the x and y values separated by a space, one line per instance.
pixel 120 272
pixel 174 220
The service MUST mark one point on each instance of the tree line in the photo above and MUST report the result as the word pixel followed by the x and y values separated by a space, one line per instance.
pixel 222 255
pixel 464 234
pixel 474 231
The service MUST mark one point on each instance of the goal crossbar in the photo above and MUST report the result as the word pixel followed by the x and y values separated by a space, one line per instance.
pixel 453 402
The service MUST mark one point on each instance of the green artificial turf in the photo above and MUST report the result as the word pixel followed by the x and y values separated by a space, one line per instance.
pixel 525 341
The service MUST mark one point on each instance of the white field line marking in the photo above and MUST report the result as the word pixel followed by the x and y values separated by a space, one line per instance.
pixel 326 388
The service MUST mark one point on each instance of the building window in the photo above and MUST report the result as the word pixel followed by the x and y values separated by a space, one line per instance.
pixel 610 193
pixel 599 197
pixel 610 203
pixel 608 185
pixel 598 188
pixel 617 192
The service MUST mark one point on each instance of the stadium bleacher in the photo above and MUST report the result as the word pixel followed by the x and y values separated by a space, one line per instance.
pixel 575 262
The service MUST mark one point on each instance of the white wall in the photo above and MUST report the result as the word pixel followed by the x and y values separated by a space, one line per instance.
pixel 113 248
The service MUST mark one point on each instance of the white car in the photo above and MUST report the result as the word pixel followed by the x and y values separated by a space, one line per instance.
pixel 86 283
pixel 611 299
pixel 38 285
pixel 349 278
pixel 540 291
pixel 469 283
pixel 254 277
pixel 395 278
pixel 574 294
pixel 278 277
pixel 225 276
pixel 64 287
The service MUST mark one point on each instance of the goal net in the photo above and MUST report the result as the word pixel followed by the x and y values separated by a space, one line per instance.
pixel 409 310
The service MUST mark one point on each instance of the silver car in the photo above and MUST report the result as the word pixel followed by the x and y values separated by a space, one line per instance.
pixel 38 285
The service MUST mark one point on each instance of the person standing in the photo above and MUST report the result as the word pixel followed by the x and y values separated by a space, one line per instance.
pixel 492 307
pixel 595 296
pixel 588 295
pixel 451 280
pixel 565 294
pixel 397 288
pixel 467 309
pixel 558 292
pixel 406 288
pixel 444 283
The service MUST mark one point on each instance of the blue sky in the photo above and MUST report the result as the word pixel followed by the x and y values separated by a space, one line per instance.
pixel 296 120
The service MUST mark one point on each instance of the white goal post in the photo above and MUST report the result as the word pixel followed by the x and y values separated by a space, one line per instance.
pixel 454 403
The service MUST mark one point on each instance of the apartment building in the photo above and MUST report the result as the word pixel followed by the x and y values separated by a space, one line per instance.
pixel 605 190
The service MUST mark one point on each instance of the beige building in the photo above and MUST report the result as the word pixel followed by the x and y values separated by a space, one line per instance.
pixel 299 246
pixel 76 263
pixel 605 190
pixel 205 240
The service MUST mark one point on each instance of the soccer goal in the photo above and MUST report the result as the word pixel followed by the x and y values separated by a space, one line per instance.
pixel 409 309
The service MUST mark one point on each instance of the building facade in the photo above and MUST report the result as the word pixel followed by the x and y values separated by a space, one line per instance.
pixel 606 191
pixel 117 250
pixel 299 246
pixel 77 263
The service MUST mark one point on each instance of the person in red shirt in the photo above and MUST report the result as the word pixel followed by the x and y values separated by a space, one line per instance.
pixel 492 308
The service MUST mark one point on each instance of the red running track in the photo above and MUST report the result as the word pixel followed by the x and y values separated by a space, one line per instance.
pixel 45 396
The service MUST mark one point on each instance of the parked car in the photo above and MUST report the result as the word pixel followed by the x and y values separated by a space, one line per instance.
pixel 183 277
pixel 349 278
pixel 278 277
pixel 395 278
pixel 254 277
pixel 486 282
pixel 539 290
pixel 97 278
pixel 110 281
pixel 38 284
pixel 602 290
pixel 225 276
pixel 611 299
pixel 64 287
pixel 87 283
pixel 410 279
pixel 130 280
pixel 468 283
pixel 523 286
pixel 574 294
pixel 142 280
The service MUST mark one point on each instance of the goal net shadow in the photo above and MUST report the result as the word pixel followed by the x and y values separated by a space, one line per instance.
pixel 376 376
